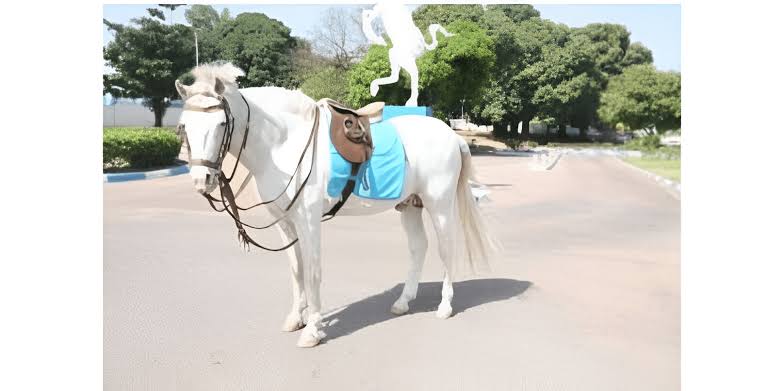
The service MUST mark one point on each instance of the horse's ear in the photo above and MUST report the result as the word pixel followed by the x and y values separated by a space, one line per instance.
pixel 219 87
pixel 181 89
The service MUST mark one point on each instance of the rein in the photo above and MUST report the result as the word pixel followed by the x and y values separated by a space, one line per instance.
pixel 227 197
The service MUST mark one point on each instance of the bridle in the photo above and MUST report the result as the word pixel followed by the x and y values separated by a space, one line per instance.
pixel 227 197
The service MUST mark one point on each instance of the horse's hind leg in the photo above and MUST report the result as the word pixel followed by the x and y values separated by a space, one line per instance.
pixel 445 222
pixel 411 218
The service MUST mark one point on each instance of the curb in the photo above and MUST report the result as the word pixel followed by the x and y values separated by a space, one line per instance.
pixel 602 152
pixel 672 187
pixel 139 175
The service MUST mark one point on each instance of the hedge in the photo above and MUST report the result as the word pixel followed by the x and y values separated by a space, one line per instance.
pixel 139 147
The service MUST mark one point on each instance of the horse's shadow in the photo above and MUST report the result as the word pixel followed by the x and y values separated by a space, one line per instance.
pixel 376 309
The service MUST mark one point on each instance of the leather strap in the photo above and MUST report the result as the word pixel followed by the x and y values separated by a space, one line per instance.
pixel 346 193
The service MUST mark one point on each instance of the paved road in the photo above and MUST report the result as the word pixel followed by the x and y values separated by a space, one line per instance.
pixel 586 295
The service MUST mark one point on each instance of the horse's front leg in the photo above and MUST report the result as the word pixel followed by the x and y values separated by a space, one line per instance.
pixel 308 225
pixel 294 320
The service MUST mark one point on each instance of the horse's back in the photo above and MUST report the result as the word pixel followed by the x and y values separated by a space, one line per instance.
pixel 432 149
pixel 423 136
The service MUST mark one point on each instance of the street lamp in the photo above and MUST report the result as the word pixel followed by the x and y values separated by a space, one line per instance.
pixel 462 102
pixel 196 39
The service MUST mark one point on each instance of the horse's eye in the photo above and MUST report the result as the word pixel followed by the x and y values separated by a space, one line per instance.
pixel 222 124
pixel 349 123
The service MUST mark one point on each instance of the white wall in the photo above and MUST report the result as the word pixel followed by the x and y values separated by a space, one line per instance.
pixel 134 114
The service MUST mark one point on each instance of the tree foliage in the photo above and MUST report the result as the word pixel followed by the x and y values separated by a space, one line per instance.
pixel 636 54
pixel 516 12
pixel 262 47
pixel 565 83
pixel 202 16
pixel 326 82
pixel 607 44
pixel 643 98
pixel 445 14
pixel 147 57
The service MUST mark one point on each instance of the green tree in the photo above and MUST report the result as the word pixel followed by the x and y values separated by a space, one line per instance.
pixel 516 12
pixel 147 57
pixel 518 46
pixel 457 69
pixel 643 98
pixel 445 14
pixel 328 82
pixel 637 53
pixel 262 47
pixel 202 16
pixel 565 83
pixel 607 43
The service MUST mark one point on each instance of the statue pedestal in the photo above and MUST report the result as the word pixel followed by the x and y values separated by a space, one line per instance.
pixel 396 111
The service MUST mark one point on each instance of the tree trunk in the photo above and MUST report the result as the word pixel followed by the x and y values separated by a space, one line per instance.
pixel 158 109
pixel 525 132
pixel 562 131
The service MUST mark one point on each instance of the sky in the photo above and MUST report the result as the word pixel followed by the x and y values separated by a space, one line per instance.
pixel 657 26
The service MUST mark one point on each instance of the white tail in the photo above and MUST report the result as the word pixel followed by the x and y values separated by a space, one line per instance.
pixel 480 243
pixel 433 40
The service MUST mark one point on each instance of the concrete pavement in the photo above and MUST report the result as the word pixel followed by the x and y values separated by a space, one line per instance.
pixel 586 295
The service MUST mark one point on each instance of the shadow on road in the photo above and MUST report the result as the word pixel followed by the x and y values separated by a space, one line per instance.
pixel 375 309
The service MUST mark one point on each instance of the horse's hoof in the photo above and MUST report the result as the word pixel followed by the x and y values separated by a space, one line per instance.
pixel 309 338
pixel 293 322
pixel 400 307
pixel 444 311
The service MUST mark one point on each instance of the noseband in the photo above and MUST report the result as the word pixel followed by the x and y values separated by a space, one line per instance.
pixel 227 197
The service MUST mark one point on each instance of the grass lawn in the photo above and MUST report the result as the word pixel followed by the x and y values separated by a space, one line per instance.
pixel 668 168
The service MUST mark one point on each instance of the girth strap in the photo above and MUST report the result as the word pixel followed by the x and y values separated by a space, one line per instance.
pixel 346 193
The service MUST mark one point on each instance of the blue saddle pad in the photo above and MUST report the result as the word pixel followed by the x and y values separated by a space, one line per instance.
pixel 381 177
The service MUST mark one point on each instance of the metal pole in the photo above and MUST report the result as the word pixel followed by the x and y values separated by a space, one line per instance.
pixel 196 38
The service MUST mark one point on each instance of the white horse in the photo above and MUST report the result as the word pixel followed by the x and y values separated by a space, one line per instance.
pixel 437 171
pixel 408 44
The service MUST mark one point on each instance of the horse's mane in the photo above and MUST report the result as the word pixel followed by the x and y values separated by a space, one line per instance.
pixel 279 105
pixel 225 71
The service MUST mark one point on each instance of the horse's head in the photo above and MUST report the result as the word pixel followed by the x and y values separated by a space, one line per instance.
pixel 206 121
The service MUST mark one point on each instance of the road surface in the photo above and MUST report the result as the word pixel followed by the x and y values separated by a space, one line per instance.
pixel 585 296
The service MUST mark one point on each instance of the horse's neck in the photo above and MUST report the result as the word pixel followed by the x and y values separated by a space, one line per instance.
pixel 275 137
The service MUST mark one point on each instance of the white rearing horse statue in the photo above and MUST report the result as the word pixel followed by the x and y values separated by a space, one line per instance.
pixel 407 43
pixel 278 123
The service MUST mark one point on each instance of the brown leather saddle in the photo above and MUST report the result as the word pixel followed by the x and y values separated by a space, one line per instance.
pixel 350 134
pixel 350 129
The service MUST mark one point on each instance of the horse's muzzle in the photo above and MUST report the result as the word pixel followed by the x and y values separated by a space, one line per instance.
pixel 204 180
